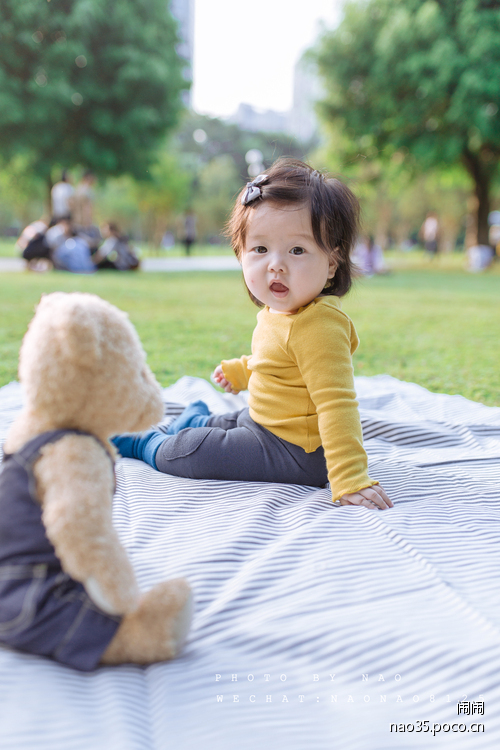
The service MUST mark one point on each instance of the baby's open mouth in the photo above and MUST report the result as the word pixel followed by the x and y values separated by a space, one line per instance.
pixel 278 288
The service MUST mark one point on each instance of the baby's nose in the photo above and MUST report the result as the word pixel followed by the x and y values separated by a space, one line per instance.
pixel 276 263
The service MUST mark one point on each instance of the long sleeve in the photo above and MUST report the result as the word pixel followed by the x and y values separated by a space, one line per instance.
pixel 237 372
pixel 321 346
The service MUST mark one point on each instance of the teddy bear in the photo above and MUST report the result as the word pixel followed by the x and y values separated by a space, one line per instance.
pixel 67 588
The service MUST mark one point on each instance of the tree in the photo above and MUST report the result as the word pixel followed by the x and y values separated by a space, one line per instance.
pixel 95 83
pixel 213 153
pixel 217 185
pixel 395 196
pixel 21 194
pixel 146 207
pixel 218 138
pixel 419 77
pixel 164 195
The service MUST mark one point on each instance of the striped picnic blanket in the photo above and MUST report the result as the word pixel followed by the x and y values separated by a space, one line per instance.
pixel 316 627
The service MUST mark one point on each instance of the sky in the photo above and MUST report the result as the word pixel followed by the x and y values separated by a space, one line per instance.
pixel 245 50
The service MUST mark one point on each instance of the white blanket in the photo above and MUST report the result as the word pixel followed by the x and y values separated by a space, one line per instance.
pixel 316 626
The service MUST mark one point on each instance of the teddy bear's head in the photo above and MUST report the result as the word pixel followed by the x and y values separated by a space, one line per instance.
pixel 82 366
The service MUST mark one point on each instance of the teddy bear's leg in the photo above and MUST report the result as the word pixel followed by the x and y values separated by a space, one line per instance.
pixel 157 629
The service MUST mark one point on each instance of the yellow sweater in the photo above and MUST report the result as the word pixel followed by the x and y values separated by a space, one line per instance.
pixel 300 379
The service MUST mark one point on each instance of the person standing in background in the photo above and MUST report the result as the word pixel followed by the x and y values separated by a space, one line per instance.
pixel 62 195
pixel 430 233
pixel 189 230
pixel 84 201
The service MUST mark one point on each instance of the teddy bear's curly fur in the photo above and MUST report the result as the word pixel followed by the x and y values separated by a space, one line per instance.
pixel 82 367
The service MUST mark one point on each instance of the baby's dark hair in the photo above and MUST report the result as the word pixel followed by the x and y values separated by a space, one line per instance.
pixel 333 207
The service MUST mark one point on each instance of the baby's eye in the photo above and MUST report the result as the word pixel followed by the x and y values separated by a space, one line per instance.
pixel 297 250
pixel 260 249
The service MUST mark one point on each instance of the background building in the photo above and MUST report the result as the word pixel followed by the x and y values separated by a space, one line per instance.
pixel 257 120
pixel 302 121
pixel 183 12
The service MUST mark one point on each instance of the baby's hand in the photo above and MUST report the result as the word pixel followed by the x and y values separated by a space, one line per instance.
pixel 219 378
pixel 370 497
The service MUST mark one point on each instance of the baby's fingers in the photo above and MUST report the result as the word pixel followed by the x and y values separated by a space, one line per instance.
pixel 219 379
pixel 355 498
pixel 381 492
pixel 228 387
pixel 370 497
pixel 375 496
pixel 217 374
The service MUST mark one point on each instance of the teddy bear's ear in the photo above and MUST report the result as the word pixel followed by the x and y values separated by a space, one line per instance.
pixel 82 365
pixel 64 323
pixel 79 332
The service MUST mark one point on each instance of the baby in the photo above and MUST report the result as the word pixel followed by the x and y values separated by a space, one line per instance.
pixel 292 230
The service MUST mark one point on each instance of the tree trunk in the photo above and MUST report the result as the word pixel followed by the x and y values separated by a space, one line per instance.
pixel 384 214
pixel 480 173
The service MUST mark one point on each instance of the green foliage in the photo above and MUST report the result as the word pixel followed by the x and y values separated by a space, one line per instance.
pixel 22 193
pixel 217 186
pixel 204 177
pixel 217 164
pixel 89 82
pixel 419 77
pixel 226 139
pixel 395 197
pixel 145 207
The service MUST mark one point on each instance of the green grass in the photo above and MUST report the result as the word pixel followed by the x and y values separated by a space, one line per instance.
pixel 8 248
pixel 428 323
pixel 438 328
pixel 187 321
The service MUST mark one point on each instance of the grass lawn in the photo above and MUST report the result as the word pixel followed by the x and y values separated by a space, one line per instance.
pixel 430 323
pixel 8 248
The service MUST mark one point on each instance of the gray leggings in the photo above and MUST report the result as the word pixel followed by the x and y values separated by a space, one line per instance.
pixel 234 447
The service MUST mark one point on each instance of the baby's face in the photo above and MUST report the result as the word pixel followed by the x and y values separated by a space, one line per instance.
pixel 283 266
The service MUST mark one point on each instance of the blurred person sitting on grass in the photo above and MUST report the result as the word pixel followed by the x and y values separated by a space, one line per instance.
pixel 369 257
pixel 292 230
pixel 116 252
pixel 33 246
pixel 69 251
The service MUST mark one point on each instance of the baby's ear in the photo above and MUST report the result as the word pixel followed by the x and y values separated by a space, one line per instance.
pixel 61 342
pixel 333 263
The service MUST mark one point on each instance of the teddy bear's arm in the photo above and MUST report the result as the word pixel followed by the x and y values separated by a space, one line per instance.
pixel 75 486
